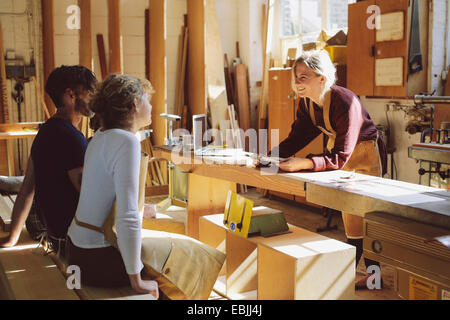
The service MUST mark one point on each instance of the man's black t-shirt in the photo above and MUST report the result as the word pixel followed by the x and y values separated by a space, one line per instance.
pixel 58 148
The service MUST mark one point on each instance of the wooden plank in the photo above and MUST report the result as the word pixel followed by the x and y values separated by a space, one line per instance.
pixel 4 107
pixel 48 31
pixel 10 153
pixel 228 81
pixel 360 61
pixel 41 97
pixel 147 44
pixel 22 126
pixel 157 190
pixel 242 264
pixel 31 274
pixel 181 74
pixel 196 84
pixel 85 47
pixel 158 70
pixel 123 293
pixel 115 37
pixel 267 37
pixel 215 78
pixel 240 74
pixel 209 199
pixel 102 56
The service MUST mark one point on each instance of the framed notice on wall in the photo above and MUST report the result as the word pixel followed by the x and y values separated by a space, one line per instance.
pixel 389 72
pixel 390 26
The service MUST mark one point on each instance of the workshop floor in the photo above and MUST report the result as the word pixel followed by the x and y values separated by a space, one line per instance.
pixel 311 218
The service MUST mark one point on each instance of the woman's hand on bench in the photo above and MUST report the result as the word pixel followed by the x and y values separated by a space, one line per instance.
pixel 7 242
pixel 150 211
pixel 144 286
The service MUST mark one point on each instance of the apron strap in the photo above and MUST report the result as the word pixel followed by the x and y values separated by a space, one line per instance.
pixel 326 112
pixel 88 226
pixel 328 130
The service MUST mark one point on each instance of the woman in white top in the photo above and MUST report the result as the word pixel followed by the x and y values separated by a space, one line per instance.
pixel 111 173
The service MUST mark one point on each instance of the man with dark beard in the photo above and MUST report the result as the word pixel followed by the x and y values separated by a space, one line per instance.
pixel 54 169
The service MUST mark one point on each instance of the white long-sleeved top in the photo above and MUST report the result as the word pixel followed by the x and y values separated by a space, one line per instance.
pixel 111 172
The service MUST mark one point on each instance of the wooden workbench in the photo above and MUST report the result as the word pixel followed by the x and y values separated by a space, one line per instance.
pixel 334 189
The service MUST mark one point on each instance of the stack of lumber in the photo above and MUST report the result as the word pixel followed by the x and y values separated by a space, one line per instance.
pixel 154 173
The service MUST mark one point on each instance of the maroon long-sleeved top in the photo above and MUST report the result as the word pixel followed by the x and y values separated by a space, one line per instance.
pixel 349 119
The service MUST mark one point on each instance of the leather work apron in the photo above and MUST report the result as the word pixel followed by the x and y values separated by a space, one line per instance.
pixel 185 269
pixel 365 159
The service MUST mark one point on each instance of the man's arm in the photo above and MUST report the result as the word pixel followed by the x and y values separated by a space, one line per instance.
pixel 21 207
pixel 75 176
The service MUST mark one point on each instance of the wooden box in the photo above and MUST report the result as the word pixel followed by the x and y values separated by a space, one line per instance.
pixel 299 265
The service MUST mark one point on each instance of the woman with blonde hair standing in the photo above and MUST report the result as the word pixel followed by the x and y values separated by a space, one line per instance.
pixel 353 140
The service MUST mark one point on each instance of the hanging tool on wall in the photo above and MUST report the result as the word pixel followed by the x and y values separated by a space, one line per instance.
pixel 415 55
pixel 19 99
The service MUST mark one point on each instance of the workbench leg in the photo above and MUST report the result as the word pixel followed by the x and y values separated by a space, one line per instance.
pixel 205 196
pixel 11 165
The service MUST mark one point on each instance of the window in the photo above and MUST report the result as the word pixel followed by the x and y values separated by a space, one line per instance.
pixel 308 17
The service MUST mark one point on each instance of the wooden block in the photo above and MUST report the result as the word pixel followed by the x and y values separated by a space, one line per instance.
pixel 214 236
pixel 173 222
pixel 209 199
pixel 240 73
pixel 310 267
pixel 242 264
pixel 297 265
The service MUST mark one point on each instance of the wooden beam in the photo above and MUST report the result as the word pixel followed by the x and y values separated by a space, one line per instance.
pixel 215 77
pixel 196 57
pixel 48 32
pixel 85 48
pixel 114 35
pixel 158 72
pixel 4 110
pixel 267 37
pixel 102 56
pixel 147 44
